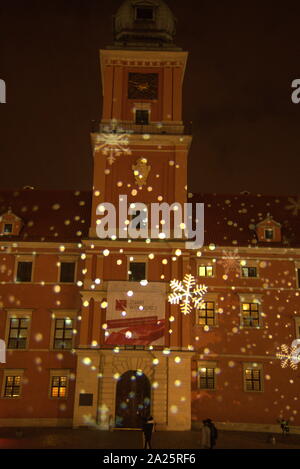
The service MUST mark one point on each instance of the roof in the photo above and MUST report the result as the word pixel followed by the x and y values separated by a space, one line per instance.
pixel 229 220
pixel 49 215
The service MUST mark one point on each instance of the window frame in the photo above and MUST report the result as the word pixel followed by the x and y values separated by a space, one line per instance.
pixel 20 261
pixel 251 298
pixel 62 314
pixel 137 259
pixel 14 313
pixel 253 367
pixel 9 373
pixel 59 373
pixel 208 366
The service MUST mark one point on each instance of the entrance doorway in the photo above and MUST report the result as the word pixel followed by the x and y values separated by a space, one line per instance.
pixel 133 399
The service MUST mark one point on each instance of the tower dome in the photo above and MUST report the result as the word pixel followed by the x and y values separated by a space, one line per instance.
pixel 144 24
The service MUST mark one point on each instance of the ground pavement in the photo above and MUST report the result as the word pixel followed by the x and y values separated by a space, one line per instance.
pixel 60 438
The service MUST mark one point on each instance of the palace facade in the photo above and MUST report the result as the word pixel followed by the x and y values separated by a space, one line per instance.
pixel 91 338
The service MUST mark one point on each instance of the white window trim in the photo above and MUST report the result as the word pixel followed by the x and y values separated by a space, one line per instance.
pixel 253 366
pixel 12 372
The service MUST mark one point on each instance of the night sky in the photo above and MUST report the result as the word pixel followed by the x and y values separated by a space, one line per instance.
pixel 243 58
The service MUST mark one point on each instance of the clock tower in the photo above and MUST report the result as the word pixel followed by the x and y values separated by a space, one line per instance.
pixel 140 153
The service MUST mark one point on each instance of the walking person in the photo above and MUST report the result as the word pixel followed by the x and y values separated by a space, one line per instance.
pixel 147 430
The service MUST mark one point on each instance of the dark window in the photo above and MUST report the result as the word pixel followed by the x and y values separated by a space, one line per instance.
pixel 18 329
pixel 85 399
pixel 8 228
pixel 249 272
pixel 137 271
pixel 24 271
pixel 67 272
pixel 253 379
pixel 207 378
pixel 250 314
pixel 141 117
pixel 298 277
pixel 144 13
pixel 59 386
pixel 63 334
pixel 206 314
pixel 269 233
pixel 12 386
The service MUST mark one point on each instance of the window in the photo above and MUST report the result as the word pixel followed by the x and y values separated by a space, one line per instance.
pixel 24 271
pixel 59 386
pixel 144 13
pixel 250 314
pixel 142 117
pixel 206 314
pixel 249 272
pixel 18 331
pixel 206 378
pixel 63 333
pixel 12 386
pixel 269 233
pixel 8 228
pixel 206 271
pixel 253 379
pixel 67 272
pixel 297 326
pixel 298 277
pixel 137 271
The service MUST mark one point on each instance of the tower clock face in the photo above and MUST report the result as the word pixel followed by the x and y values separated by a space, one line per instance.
pixel 143 85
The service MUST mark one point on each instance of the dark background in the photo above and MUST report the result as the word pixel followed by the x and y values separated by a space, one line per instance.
pixel 243 58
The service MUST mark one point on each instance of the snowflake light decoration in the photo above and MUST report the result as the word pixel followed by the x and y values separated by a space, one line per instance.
pixel 289 356
pixel 294 205
pixel 113 142
pixel 230 261
pixel 187 293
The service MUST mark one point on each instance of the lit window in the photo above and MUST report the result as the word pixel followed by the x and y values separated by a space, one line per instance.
pixel 206 378
pixel 250 314
pixel 249 272
pixel 24 271
pixel 63 334
pixel 67 272
pixel 59 386
pixel 18 329
pixel 253 379
pixel 206 314
pixel 206 271
pixel 12 386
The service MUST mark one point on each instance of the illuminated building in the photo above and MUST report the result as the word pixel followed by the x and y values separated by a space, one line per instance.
pixel 91 338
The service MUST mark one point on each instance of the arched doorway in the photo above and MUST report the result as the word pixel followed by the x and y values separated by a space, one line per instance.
pixel 133 399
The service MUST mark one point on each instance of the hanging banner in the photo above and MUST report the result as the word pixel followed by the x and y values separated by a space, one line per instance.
pixel 138 319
